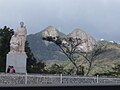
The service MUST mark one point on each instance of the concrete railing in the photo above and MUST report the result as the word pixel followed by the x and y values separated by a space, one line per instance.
pixel 38 79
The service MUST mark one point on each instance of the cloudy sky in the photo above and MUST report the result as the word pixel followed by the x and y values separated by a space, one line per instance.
pixel 100 18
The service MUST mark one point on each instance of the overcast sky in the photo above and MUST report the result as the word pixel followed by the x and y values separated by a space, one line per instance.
pixel 100 18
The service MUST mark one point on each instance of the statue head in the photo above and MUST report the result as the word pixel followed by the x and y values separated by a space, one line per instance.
pixel 21 24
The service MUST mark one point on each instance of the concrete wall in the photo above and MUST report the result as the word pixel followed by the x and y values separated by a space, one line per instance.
pixel 38 79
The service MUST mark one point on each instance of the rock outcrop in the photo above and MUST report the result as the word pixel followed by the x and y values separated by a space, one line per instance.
pixel 88 41
pixel 50 31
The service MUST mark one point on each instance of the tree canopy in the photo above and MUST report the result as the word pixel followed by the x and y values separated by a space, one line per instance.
pixel 5 36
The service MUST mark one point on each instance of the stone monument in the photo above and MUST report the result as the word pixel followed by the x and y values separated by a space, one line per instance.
pixel 17 56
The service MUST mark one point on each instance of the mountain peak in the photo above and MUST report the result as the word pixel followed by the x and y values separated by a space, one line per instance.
pixel 50 27
pixel 88 40
pixel 50 31
pixel 78 33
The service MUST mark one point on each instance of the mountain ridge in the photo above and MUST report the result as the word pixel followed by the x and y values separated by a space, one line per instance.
pixel 49 51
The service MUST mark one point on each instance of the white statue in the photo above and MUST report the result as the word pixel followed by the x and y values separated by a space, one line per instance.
pixel 22 33
pixel 14 43
pixel 17 42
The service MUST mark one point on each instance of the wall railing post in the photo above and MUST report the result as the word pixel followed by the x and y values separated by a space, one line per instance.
pixel 26 78
pixel 97 78
pixel 60 78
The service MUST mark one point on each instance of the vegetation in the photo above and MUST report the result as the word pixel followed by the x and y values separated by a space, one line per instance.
pixel 91 56
pixel 101 50
pixel 69 46
pixel 55 69
pixel 33 65
pixel 114 72
pixel 5 36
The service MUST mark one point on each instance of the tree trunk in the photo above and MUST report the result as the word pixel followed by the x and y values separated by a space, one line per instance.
pixel 89 69
pixel 77 70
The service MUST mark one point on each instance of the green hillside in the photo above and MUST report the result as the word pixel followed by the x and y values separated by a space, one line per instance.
pixel 45 50
pixel 102 64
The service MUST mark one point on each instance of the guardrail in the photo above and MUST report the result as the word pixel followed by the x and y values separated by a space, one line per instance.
pixel 33 79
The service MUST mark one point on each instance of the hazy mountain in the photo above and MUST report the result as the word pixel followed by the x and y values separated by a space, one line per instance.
pixel 49 51
pixel 45 50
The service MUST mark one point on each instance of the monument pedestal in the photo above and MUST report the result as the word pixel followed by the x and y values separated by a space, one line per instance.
pixel 18 61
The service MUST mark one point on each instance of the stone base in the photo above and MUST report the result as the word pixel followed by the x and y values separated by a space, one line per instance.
pixel 18 61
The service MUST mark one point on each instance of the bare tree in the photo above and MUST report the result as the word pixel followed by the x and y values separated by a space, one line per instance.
pixel 69 46
pixel 92 55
